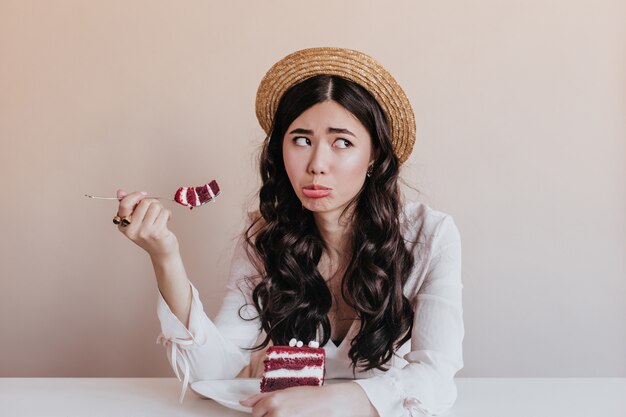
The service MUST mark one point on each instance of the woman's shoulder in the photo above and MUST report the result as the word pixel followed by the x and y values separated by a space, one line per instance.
pixel 427 233
pixel 425 225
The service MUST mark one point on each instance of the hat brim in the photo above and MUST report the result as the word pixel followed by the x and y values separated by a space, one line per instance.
pixel 351 65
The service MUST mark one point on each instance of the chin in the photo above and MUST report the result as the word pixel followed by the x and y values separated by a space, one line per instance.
pixel 317 206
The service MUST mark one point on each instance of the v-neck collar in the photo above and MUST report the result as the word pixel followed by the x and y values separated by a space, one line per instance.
pixel 349 335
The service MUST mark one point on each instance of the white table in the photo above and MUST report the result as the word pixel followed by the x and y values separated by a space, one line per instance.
pixel 154 397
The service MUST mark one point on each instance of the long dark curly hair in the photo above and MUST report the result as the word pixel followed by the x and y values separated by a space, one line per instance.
pixel 290 295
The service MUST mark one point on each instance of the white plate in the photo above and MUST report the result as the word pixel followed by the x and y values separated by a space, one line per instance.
pixel 228 392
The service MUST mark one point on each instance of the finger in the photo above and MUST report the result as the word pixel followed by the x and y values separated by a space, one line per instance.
pixel 265 404
pixel 121 193
pixel 260 409
pixel 251 401
pixel 161 221
pixel 138 215
pixel 153 212
pixel 128 203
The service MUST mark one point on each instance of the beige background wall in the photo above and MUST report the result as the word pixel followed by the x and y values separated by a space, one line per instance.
pixel 521 137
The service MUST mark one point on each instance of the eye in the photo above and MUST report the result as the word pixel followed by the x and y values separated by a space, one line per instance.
pixel 343 143
pixel 301 141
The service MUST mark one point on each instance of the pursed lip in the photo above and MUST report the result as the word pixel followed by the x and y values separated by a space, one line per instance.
pixel 316 187
pixel 316 191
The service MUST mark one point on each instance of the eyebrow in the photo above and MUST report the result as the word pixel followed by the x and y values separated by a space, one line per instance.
pixel 342 131
pixel 330 130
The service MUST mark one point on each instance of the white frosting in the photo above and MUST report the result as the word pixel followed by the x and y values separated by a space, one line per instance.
pixel 314 344
pixel 299 344
pixel 293 342
pixel 183 196
pixel 294 355
pixel 306 372
pixel 211 193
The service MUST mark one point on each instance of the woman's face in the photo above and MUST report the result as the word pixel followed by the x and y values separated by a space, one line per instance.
pixel 327 152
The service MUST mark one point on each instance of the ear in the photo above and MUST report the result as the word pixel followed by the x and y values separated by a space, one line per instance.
pixel 370 165
pixel 374 158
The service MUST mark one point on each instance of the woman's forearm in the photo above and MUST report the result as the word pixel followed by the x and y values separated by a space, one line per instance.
pixel 174 285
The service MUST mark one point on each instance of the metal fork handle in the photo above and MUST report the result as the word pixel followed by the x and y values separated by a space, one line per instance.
pixel 118 199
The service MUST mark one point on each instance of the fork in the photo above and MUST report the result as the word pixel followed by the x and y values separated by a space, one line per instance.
pixel 97 197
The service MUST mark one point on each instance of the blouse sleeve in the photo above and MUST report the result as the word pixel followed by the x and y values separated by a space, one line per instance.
pixel 213 350
pixel 425 386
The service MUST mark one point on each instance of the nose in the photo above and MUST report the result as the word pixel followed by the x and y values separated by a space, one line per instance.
pixel 319 162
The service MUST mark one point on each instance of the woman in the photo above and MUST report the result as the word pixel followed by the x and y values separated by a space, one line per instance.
pixel 331 255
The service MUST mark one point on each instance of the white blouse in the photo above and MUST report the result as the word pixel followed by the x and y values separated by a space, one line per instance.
pixel 420 379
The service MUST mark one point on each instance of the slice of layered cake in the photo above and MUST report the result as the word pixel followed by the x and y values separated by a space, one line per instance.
pixel 197 196
pixel 293 365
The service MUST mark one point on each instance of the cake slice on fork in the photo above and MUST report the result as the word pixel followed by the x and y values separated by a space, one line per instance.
pixel 197 196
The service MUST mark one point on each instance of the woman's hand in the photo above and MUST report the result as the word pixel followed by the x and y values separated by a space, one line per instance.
pixel 345 400
pixel 148 224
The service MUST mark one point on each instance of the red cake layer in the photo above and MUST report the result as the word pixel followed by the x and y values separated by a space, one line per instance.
pixel 294 349
pixel 274 384
pixel 292 363
pixel 203 194
pixel 191 197
pixel 214 187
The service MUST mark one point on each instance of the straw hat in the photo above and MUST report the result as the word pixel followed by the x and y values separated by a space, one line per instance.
pixel 349 64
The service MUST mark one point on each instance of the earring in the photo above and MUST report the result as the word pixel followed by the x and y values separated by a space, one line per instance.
pixel 369 171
